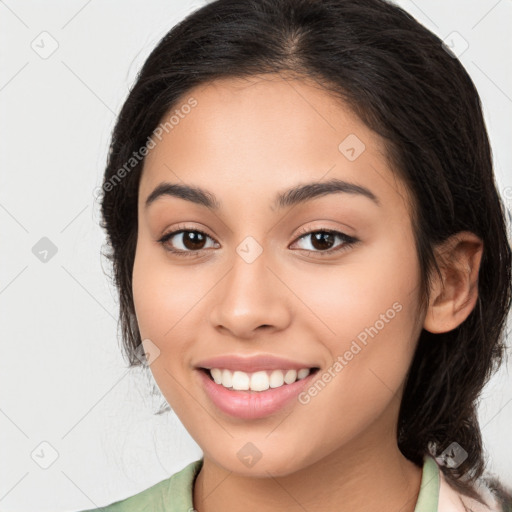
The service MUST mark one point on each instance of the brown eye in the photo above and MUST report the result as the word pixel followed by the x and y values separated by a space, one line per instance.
pixel 322 241
pixel 186 241
pixel 193 240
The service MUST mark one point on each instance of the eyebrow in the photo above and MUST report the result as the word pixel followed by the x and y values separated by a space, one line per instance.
pixel 295 195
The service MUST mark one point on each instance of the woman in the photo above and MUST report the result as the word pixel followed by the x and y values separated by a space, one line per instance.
pixel 310 248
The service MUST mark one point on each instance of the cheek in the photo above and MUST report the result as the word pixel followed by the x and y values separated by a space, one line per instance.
pixel 368 318
pixel 162 300
pixel 162 294
pixel 371 350
pixel 353 296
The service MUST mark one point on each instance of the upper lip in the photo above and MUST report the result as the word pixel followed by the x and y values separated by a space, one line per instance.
pixel 252 363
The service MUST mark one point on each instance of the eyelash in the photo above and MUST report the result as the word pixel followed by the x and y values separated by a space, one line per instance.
pixel 349 241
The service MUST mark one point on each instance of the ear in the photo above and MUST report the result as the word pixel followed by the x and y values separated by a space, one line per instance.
pixel 453 297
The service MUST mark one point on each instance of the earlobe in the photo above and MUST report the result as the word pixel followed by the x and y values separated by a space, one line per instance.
pixel 453 297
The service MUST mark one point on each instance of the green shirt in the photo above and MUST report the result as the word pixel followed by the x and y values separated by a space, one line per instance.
pixel 174 494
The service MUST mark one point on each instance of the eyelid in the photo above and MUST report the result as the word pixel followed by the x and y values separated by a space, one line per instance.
pixel 348 240
pixel 322 225
pixel 185 227
pixel 181 229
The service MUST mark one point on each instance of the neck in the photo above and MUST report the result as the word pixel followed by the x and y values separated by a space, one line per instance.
pixel 363 477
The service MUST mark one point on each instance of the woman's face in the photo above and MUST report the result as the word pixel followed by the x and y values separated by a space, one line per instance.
pixel 325 279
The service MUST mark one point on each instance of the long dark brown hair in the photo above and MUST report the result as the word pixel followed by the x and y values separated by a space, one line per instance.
pixel 401 80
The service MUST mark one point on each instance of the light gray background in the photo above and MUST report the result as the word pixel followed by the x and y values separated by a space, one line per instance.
pixel 63 380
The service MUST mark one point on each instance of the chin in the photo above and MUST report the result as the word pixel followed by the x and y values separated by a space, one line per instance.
pixel 246 460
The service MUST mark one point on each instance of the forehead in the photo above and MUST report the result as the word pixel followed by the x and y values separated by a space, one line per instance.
pixel 265 132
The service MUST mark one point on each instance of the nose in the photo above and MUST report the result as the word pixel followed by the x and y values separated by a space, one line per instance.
pixel 251 298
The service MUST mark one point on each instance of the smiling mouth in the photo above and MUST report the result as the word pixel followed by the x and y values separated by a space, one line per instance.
pixel 259 381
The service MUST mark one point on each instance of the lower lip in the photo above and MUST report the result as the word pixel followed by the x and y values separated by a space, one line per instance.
pixel 252 404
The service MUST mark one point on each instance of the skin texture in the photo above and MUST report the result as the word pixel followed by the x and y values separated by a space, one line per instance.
pixel 245 141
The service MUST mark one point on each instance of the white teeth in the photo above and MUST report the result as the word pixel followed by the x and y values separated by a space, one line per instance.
pixel 290 376
pixel 217 375
pixel 276 379
pixel 257 381
pixel 227 380
pixel 240 381
pixel 302 373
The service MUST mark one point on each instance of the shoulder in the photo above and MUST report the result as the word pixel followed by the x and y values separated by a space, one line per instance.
pixel 173 493
pixel 494 497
